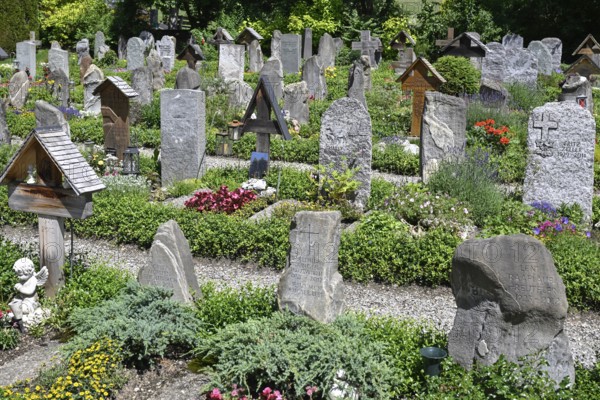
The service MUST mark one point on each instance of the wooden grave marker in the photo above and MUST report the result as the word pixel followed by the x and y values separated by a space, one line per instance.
pixel 465 45
pixel 449 38
pixel 191 53
pixel 584 66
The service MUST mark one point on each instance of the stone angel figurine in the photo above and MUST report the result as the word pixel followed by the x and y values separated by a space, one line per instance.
pixel 25 305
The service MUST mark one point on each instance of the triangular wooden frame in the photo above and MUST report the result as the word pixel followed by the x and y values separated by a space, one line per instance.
pixel 265 89
pixel 588 38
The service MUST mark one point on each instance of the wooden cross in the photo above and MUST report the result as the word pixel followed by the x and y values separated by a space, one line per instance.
pixel 38 43
pixel 367 46
pixel 449 38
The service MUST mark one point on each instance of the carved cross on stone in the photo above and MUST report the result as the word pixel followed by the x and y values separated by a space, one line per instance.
pixel 367 46
pixel 544 125
pixel 309 232
pixel 449 38
pixel 38 43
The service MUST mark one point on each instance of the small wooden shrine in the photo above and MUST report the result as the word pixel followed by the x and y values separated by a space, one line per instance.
pixel 191 53
pixel 588 47
pixel 247 36
pixel 584 66
pixel 465 45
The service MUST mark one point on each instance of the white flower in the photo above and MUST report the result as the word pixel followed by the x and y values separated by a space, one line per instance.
pixel 411 200
pixel 465 211
pixel 452 209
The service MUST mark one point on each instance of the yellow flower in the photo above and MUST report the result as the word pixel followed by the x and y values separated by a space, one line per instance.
pixel 100 162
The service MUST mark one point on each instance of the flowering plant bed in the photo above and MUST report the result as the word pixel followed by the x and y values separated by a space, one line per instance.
pixel 222 200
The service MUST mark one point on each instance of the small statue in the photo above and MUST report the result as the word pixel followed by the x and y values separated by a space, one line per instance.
pixel 25 304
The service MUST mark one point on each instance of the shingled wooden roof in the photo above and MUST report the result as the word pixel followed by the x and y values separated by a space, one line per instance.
pixel 247 36
pixel 465 39
pixel 589 42
pixel 421 61
pixel 65 155
pixel 119 83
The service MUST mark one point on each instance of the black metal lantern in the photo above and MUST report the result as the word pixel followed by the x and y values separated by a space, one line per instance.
pixel 131 161
pixel 235 130
pixel 224 144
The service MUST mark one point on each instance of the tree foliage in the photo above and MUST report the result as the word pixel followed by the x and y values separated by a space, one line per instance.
pixel 18 19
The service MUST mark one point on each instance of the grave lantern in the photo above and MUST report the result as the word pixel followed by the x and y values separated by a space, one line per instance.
pixel 15 64
pixel 235 130
pixel 89 147
pixel 224 144
pixel 582 101
pixel 131 161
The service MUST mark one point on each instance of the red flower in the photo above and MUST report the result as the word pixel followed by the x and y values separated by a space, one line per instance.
pixel 504 140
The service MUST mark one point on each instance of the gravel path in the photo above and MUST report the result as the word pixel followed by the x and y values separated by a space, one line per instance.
pixel 29 364
pixel 432 305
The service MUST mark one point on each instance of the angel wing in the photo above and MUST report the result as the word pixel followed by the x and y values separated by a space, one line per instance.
pixel 42 276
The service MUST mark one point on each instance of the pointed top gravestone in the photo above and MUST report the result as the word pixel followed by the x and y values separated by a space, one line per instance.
pixel 555 47
pixel 221 36
pixel 99 41
pixel 276 45
pixel 512 41
pixel 327 51
pixel 83 49
pixel 247 36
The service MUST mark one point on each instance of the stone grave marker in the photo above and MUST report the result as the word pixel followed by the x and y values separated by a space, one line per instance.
pixel 313 73
pixel 4 133
pixel 166 50
pixel 148 39
pixel 251 39
pixel 231 61
pixel 276 44
pixel 83 49
pixel 141 82
pixel 122 48
pixel 339 44
pixel 240 93
pixel 135 53
pixel 493 66
pixel 327 51
pixel 187 78
pixel 183 135
pixel 307 43
pixel 555 46
pixel 493 94
pixel 272 71
pixel 511 301
pixel 290 49
pixel 345 143
pixel 58 59
pixel 60 88
pixel 86 62
pixel 92 79
pixel 311 284
pixel 578 89
pixel 543 55
pixel 48 115
pixel 171 265
pixel 99 43
pixel 18 89
pixel 521 67
pixel 295 99
pixel 560 166
pixel 443 135
pixel 356 82
pixel 404 44
pixel 155 63
pixel 512 41
pixel 26 56
pixel 368 47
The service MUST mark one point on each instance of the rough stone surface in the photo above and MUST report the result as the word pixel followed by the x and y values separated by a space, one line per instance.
pixel 83 49
pixel 307 44
pixel 272 72
pixel 311 284
pixel 187 78
pixel 172 265
pixel 276 44
pixel 60 89
pixel 48 115
pixel 166 50
pixel 141 82
pixel 543 55
pixel 99 41
pixel 295 99
pixel 135 53
pixel 493 93
pixel 155 62
pixel 4 133
pixel 443 133
pixel 183 135
pixel 555 47
pixel 493 66
pixel 26 55
pixel 231 61
pixel 291 46
pixel 148 39
pixel 85 63
pixel 18 89
pixel 240 93
pixel 511 301
pixel 327 50
pixel 122 48
pixel 512 41
pixel 339 44
pixel 313 73
pixel 31 363
pixel 345 142
pixel 268 212
pixel 356 83
pixel 93 77
pixel 521 67
pixel 575 88
pixel 560 166
pixel 58 59
pixel 255 56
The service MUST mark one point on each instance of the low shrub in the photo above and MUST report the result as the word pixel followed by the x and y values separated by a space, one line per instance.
pixel 9 337
pixel 20 123
pixel 395 160
pixel 461 75
pixel 89 128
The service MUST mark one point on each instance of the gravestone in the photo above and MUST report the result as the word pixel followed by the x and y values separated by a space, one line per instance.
pixel 276 44
pixel 313 73
pixel 560 166
pixel 356 83
pixel 555 46
pixel 311 284
pixel 55 45
pixel 511 301
pixel 577 89
pixel 493 94
pixel 231 61
pixel 183 136
pixel 290 49
pixel 307 43
pixel 240 93
pixel 368 47
pixel 255 56
pixel 26 55
pixel 4 133
pixel 141 82
pixel 92 79
pixel 58 59
pixel 512 41
pixel 272 72
pixel 171 265
pixel 148 40
pixel 83 49
pixel 366 65
pixel 493 66
pixel 122 48
pixel 155 63
pixel 166 50
pixel 295 101
pixel 18 89
pixel 48 115
pixel 339 44
pixel 135 53
pixel 60 88
pixel 543 55
pixel 521 67
pixel 85 63
pixel 327 51
pixel 99 41
pixel 187 78
pixel 443 135
pixel 345 143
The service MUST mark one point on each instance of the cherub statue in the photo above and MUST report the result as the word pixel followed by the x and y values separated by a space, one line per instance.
pixel 25 303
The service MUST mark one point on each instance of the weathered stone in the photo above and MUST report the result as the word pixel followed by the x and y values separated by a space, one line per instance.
pixel 272 72
pixel 122 48
pixel 93 77
pixel 187 78
pixel 290 49
pixel 255 56
pixel 155 62
pixel 171 265
pixel 578 89
pixel 345 143
pixel 240 93
pixel 166 50
pixel 364 60
pixel 311 284
pixel 268 212
pixel 148 40
pixel 555 46
pixel 26 55
pixel 99 41
pixel 231 61
pixel 84 64
pixel 276 44
pixel 4 133
pixel 83 49
pixel 493 94
pixel 18 89
pixel 560 166
pixel 493 66
pixel 327 50
pixel 60 87
pixel 141 82
pixel 356 83
pixel 55 45
pixel 339 44
pixel 58 59
pixel 443 135
pixel 406 56
pixel 543 55
pixel 512 41
pixel 511 302
pixel 313 74
pixel 307 44
pixel 295 98
pixel 521 67
pixel 369 46
pixel 135 53
pixel 48 115
pixel 183 136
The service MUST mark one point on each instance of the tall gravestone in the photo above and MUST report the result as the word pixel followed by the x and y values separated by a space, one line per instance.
pixel 356 83
pixel 148 39
pixel 135 53
pixel 18 89
pixel 99 43
pixel 521 67
pixel 60 88
pixel 295 101
pixel 26 55
pixel 183 135
pixel 512 41
pixel 171 264
pixel 543 55
pixel 166 49
pixel 560 167
pixel 4 133
pixel 141 82
pixel 92 79
pixel 240 93
pixel 122 48
pixel 313 74
pixel 83 49
pixel 231 61
pixel 555 46
pixel 327 50
pixel 443 135
pixel 311 284
pixel 255 56
pixel 510 301
pixel 291 47
pixel 345 143
pixel 58 59
pixel 272 72
pixel 276 45
pixel 155 62
pixel 493 67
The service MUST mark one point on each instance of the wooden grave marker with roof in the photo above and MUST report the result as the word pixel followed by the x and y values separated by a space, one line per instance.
pixel 221 36
pixel 191 54
pixel 61 187
pixel 449 38
pixel 589 47
pixel 584 66
pixel 465 45
pixel 419 78
pixel 114 95
pixel 247 36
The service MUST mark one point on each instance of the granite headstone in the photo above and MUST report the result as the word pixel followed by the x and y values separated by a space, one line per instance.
pixel 327 50
pixel 58 59
pixel 555 46
pixel 83 49
pixel 4 133
pixel 155 63
pixel 255 56
pixel 512 41
pixel 295 101
pixel 291 46
pixel 93 77
pixel 272 71
pixel 187 78
pixel 231 61
pixel 543 55
pixel 166 49
pixel 307 43
pixel 135 53
pixel 313 73
pixel 18 89
pixel 48 115
pixel 276 44
pixel 26 55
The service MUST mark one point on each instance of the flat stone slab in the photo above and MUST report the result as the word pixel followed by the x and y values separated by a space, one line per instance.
pixel 29 364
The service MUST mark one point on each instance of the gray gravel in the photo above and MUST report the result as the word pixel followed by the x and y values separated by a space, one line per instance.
pixel 435 306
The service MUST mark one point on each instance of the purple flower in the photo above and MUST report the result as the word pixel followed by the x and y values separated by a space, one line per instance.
pixel 536 231
pixel 588 234
pixel 558 228
pixel 564 220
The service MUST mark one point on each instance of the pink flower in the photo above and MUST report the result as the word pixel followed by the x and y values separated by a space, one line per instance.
pixel 216 394
pixel 266 391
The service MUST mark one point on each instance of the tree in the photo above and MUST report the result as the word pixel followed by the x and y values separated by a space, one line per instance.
pixel 18 19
